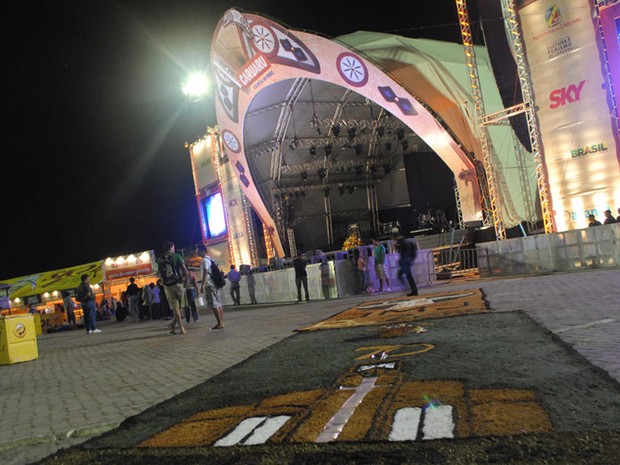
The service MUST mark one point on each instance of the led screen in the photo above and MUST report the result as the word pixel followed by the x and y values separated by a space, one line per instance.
pixel 214 213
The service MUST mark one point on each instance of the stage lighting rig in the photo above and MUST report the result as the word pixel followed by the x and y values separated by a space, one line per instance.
pixel 358 149
pixel 380 131
pixel 304 175
pixel 388 146
pixel 336 130
pixel 322 172
pixel 405 145
pixel 312 151
pixel 328 150
pixel 352 132
pixel 400 134
pixel 293 145
pixel 359 169
pixel 387 167
pixel 326 192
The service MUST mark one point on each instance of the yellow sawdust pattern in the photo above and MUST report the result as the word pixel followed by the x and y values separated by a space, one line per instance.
pixel 310 429
pixel 301 399
pixel 478 396
pixel 364 416
pixel 194 433
pixel 361 315
pixel 505 418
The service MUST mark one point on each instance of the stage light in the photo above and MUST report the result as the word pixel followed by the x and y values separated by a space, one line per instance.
pixel 296 194
pixel 358 149
pixel 405 145
pixel 326 192
pixel 336 130
pixel 352 132
pixel 359 169
pixel 304 175
pixel 312 151
pixel 381 131
pixel 293 145
pixel 351 189
pixel 373 171
pixel 387 167
pixel 400 134
pixel 322 172
pixel 388 146
pixel 341 190
pixel 328 150
pixel 303 194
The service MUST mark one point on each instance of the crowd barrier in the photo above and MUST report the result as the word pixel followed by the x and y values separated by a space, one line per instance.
pixel 596 247
pixel 330 276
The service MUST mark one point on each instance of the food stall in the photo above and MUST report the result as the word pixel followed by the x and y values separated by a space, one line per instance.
pixel 118 270
pixel 42 293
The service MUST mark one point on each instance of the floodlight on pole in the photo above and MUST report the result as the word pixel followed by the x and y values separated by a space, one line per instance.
pixel 196 85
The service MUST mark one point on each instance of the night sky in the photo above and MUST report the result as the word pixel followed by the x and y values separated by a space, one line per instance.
pixel 93 120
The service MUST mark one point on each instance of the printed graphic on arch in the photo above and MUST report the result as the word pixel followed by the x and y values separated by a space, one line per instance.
pixel 406 309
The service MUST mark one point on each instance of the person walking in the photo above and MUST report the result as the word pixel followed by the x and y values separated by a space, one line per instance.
pixel 156 301
pixel 133 298
pixel 407 249
pixel 191 286
pixel 69 308
pixel 207 286
pixel 147 301
pixel 173 273
pixel 378 252
pixel 251 282
pixel 86 296
pixel 301 276
pixel 234 277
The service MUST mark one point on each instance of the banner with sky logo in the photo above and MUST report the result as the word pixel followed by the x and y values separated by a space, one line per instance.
pixel 573 109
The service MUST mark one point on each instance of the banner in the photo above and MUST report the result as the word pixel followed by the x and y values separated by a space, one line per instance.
pixel 57 280
pixel 575 120
pixel 140 264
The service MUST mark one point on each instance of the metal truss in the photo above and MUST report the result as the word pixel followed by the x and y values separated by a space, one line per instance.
pixel 485 140
pixel 459 207
pixel 512 23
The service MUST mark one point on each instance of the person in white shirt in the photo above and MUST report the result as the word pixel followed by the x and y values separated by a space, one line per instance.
pixel 212 293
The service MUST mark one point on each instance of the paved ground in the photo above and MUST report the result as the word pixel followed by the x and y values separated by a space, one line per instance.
pixel 82 385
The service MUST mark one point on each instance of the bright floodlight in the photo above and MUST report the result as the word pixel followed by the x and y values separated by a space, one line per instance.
pixel 196 85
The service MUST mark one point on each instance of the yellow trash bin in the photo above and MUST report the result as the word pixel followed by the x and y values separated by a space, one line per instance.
pixel 18 339
pixel 37 324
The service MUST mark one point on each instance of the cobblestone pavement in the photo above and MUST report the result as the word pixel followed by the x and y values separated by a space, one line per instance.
pixel 82 385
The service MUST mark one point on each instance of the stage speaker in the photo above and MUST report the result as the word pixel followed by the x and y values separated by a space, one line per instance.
pixel 486 234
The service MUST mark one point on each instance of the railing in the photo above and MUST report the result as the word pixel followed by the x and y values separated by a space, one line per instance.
pixel 455 262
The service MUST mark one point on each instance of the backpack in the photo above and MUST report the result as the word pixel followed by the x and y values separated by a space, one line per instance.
pixel 216 275
pixel 81 294
pixel 168 272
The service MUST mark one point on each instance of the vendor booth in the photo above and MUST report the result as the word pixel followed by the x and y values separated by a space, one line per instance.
pixel 42 293
pixel 118 270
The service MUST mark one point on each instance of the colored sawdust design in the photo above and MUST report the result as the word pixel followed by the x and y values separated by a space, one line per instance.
pixel 392 410
pixel 405 309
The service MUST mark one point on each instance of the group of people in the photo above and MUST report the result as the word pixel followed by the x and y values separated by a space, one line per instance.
pixel 407 249
pixel 180 283
pixel 609 219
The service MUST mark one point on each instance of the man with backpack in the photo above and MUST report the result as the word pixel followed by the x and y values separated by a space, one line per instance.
pixel 212 281
pixel 173 273
pixel 86 296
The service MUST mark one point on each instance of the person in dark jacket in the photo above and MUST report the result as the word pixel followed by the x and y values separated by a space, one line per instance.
pixel 301 276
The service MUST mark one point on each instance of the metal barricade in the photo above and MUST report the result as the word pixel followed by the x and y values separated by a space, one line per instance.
pixel 455 262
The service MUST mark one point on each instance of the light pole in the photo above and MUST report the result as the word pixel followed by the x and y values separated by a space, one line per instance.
pixel 196 86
